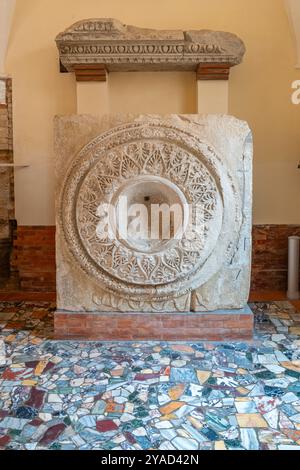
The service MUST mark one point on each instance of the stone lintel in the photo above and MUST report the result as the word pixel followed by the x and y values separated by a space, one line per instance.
pixel 128 48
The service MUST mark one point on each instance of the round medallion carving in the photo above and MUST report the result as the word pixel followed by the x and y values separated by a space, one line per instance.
pixel 153 164
pixel 147 194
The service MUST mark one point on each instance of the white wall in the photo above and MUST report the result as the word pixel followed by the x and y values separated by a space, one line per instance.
pixel 7 8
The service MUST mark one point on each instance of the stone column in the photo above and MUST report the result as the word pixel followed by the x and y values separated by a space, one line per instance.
pixel 92 89
pixel 212 88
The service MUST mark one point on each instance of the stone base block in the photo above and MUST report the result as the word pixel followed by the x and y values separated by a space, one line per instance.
pixel 221 325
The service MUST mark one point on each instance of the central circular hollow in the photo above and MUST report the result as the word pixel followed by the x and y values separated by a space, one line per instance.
pixel 149 214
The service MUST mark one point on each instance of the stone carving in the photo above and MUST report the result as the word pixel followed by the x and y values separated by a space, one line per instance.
pixel 122 168
pixel 192 161
pixel 120 47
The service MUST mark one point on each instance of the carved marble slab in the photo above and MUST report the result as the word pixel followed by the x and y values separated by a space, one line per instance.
pixel 190 160
pixel 120 47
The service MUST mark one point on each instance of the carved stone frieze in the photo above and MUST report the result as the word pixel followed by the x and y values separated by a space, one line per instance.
pixel 121 47
pixel 191 161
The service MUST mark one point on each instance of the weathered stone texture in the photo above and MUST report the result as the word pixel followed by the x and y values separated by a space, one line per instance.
pixel 119 47
pixel 207 158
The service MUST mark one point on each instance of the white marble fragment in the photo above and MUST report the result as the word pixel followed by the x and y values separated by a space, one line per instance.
pixel 182 443
pixel 249 439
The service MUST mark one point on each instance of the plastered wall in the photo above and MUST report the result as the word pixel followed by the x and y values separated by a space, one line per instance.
pixel 260 91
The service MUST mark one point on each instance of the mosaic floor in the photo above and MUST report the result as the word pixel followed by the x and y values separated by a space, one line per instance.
pixel 74 395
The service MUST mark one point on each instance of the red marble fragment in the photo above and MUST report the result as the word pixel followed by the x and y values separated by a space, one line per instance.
pixel 36 398
pixel 142 377
pixel 49 366
pixel 31 364
pixel 52 434
pixel 4 440
pixel 36 422
pixel 3 414
pixel 9 375
pixel 130 438
pixel 106 425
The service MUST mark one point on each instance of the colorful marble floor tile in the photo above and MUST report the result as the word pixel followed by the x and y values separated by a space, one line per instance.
pixel 148 395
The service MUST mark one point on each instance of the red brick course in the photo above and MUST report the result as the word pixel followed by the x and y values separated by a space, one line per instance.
pixel 153 326
pixel 34 257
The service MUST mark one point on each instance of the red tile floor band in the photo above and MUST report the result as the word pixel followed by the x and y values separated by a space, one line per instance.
pixel 208 326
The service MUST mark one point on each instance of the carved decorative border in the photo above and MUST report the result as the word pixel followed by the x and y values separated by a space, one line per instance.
pixel 92 153
pixel 118 47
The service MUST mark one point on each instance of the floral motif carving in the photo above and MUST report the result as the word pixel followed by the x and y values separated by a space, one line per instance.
pixel 159 149
pixel 128 161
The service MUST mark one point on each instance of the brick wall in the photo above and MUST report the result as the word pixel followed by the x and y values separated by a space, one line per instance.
pixel 34 257
pixel 6 176
pixel 270 256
